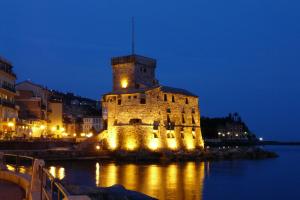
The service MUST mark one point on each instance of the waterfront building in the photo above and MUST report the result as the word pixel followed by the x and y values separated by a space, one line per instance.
pixel 91 124
pixel 38 105
pixel 140 113
pixel 8 109
pixel 32 115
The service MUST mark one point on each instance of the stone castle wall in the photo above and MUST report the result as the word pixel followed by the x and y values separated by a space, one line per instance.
pixel 152 120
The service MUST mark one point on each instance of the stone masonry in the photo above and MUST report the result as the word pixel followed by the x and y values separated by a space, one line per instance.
pixel 142 114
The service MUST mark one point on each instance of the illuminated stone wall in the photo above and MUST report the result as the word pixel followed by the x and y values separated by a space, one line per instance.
pixel 132 72
pixel 151 120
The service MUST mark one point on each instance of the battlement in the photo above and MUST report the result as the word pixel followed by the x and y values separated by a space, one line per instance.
pixel 136 59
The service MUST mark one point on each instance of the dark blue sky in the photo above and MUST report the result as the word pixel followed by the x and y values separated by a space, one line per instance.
pixel 237 55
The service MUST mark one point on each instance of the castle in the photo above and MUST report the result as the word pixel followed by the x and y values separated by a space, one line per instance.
pixel 142 114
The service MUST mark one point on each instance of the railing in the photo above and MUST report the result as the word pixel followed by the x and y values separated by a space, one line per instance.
pixel 17 162
pixel 9 88
pixel 50 187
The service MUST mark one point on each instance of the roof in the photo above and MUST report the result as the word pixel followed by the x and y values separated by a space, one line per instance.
pixel 177 91
pixel 165 89
pixel 133 59
pixel 34 84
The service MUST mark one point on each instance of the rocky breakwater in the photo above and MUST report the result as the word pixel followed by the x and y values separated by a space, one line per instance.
pixel 196 155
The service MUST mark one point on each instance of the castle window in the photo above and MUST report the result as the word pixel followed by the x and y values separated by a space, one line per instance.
pixel 155 125
pixel 143 100
pixel 137 86
pixel 168 110
pixel 155 135
pixel 168 119
pixel 182 135
pixel 193 133
pixel 193 110
pixel 173 99
pixel 119 101
pixel 165 97
pixel 135 121
pixel 183 111
pixel 129 97
pixel 145 70
pixel 186 101
pixel 168 135
pixel 193 120
pixel 183 120
pixel 134 96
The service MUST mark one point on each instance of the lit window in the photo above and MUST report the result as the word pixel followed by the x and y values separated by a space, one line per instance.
pixel 124 83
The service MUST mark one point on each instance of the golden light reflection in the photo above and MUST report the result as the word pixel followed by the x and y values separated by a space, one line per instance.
pixel 10 167
pixel 130 178
pixel 97 174
pixel 111 175
pixel 57 172
pixel 173 181
pixel 172 176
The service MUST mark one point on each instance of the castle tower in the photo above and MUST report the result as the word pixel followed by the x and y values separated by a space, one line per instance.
pixel 133 72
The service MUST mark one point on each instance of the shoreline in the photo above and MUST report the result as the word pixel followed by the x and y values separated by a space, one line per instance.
pixel 249 153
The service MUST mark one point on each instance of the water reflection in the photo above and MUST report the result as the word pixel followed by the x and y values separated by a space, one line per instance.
pixel 173 181
pixel 57 172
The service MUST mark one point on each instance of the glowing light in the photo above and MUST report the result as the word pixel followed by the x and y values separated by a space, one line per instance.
pixel 65 134
pixel 52 171
pixel 42 127
pixel 60 173
pixel 53 128
pixel 11 124
pixel 112 140
pixel 62 129
pixel 190 145
pixel 131 145
pixel 82 134
pixel 89 135
pixel 154 144
pixel 97 147
pixel 74 134
pixel 172 144
pixel 261 139
pixel 124 83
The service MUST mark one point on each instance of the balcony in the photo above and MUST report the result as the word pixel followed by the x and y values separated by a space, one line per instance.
pixel 9 88
pixel 6 103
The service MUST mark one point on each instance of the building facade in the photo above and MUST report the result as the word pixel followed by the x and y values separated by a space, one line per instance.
pixel 40 110
pixel 91 124
pixel 8 109
pixel 142 114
